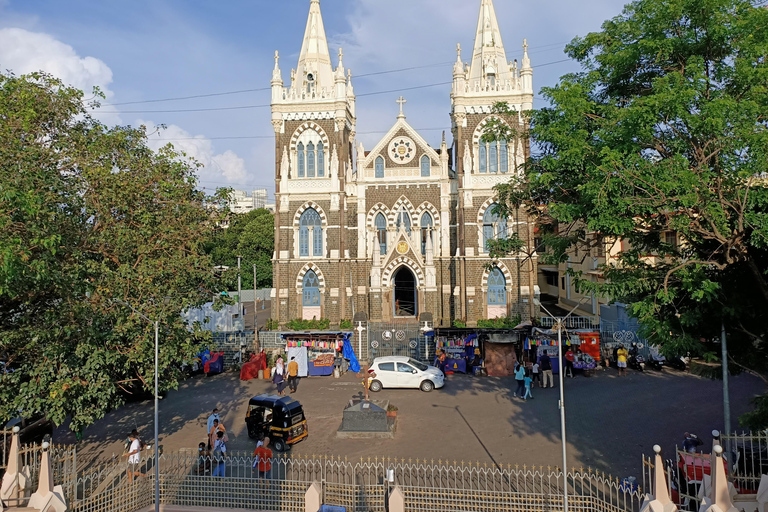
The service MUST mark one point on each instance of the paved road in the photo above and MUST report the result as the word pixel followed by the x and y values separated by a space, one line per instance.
pixel 611 420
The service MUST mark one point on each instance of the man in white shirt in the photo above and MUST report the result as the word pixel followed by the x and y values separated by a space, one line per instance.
pixel 134 457
pixel 214 416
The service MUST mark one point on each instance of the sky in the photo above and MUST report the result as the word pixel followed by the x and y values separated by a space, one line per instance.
pixel 141 51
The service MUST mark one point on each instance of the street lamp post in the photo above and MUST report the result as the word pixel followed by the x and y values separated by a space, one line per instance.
pixel 559 323
pixel 157 421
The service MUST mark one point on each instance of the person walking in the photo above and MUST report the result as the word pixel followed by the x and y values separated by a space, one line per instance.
pixel 203 459
pixel 213 416
pixel 214 432
pixel 545 363
pixel 569 357
pixel 528 385
pixel 535 374
pixel 134 457
pixel 279 377
pixel 220 455
pixel 520 380
pixel 293 375
pixel 621 360
pixel 263 459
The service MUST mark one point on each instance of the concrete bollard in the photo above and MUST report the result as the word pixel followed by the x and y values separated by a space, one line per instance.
pixel 396 500
pixel 47 498
pixel 16 478
pixel 313 498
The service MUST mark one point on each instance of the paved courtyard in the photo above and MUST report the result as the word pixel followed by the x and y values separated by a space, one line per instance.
pixel 611 421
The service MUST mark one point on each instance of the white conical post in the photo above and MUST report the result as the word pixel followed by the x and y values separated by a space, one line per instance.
pixel 15 479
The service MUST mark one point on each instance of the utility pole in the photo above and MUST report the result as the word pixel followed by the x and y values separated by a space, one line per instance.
pixel 239 291
pixel 726 395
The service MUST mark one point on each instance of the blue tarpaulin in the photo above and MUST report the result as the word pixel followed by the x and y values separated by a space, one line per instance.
pixel 349 353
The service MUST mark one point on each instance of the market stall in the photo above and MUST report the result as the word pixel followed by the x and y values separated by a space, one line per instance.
pixel 317 353
pixel 584 344
pixel 458 349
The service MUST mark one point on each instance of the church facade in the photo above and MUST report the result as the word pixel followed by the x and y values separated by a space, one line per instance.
pixel 398 230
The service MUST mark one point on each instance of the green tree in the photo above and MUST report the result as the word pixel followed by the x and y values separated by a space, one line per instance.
pixel 664 131
pixel 252 236
pixel 91 219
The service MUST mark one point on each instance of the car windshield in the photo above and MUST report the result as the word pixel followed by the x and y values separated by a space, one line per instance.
pixel 420 366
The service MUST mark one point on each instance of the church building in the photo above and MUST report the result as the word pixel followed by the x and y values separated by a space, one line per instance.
pixel 400 229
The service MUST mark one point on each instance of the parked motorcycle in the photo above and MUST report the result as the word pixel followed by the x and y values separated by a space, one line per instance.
pixel 635 360
pixel 656 361
pixel 678 363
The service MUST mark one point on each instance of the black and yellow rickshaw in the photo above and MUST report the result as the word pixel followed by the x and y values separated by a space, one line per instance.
pixel 280 418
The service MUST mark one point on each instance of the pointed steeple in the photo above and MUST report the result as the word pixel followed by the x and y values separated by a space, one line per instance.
pixel 314 69
pixel 488 57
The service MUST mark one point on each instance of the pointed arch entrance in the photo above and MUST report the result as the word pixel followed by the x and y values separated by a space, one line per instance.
pixel 405 293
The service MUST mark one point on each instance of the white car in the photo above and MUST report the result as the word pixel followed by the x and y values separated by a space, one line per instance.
pixel 404 372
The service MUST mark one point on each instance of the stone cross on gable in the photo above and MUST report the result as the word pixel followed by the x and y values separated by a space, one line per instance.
pixel 402 101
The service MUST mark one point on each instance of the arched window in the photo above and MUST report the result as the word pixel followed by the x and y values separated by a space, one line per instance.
pixel 425 164
pixel 320 160
pixel 403 219
pixel 494 226
pixel 497 290
pixel 310 160
pixel 300 150
pixel 310 233
pixel 379 167
pixel 503 158
pixel 426 231
pixel 381 232
pixel 493 158
pixel 483 157
pixel 311 289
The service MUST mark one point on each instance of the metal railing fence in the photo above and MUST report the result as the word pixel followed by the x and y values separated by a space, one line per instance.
pixel 573 322
pixel 361 486
pixel 746 459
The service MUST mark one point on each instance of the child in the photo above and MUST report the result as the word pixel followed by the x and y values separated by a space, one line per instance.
pixel 528 382
pixel 536 375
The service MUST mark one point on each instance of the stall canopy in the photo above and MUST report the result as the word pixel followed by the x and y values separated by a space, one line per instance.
pixel 298 343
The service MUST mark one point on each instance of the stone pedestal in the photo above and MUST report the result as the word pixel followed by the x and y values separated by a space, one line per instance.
pixel 363 419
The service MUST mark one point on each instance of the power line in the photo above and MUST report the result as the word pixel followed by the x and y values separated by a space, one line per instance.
pixel 536 49
pixel 250 137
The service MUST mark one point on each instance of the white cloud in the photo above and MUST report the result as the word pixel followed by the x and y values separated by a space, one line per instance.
pixel 219 169
pixel 24 52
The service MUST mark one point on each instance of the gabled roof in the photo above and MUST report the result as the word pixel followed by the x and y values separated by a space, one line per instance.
pixel 401 124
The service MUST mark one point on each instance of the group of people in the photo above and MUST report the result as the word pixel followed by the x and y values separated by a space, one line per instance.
pixel 281 375
pixel 212 456
pixel 526 378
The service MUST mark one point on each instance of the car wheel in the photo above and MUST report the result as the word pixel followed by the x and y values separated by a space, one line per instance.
pixel 279 445
pixel 427 386
pixel 375 386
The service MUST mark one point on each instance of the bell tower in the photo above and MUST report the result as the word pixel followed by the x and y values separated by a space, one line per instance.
pixel 314 123
pixel 477 86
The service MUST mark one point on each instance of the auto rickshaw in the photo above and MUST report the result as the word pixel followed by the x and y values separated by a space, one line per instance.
pixel 279 418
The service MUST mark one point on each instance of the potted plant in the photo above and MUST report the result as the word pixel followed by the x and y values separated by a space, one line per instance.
pixel 391 411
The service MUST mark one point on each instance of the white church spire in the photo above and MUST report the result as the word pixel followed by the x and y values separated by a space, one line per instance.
pixel 314 71
pixel 488 58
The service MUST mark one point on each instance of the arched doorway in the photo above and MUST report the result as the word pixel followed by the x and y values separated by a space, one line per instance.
pixel 405 294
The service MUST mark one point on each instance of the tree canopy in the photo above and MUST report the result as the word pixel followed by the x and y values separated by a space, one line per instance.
pixel 664 132
pixel 92 221
pixel 252 236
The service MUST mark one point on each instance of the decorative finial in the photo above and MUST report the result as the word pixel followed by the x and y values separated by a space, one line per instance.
pixel 277 57
pixel 341 54
pixel 657 449
pixel 16 430
pixel 525 45
pixel 718 450
pixel 458 51
pixel 46 445
pixel 402 101
pixel 715 434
